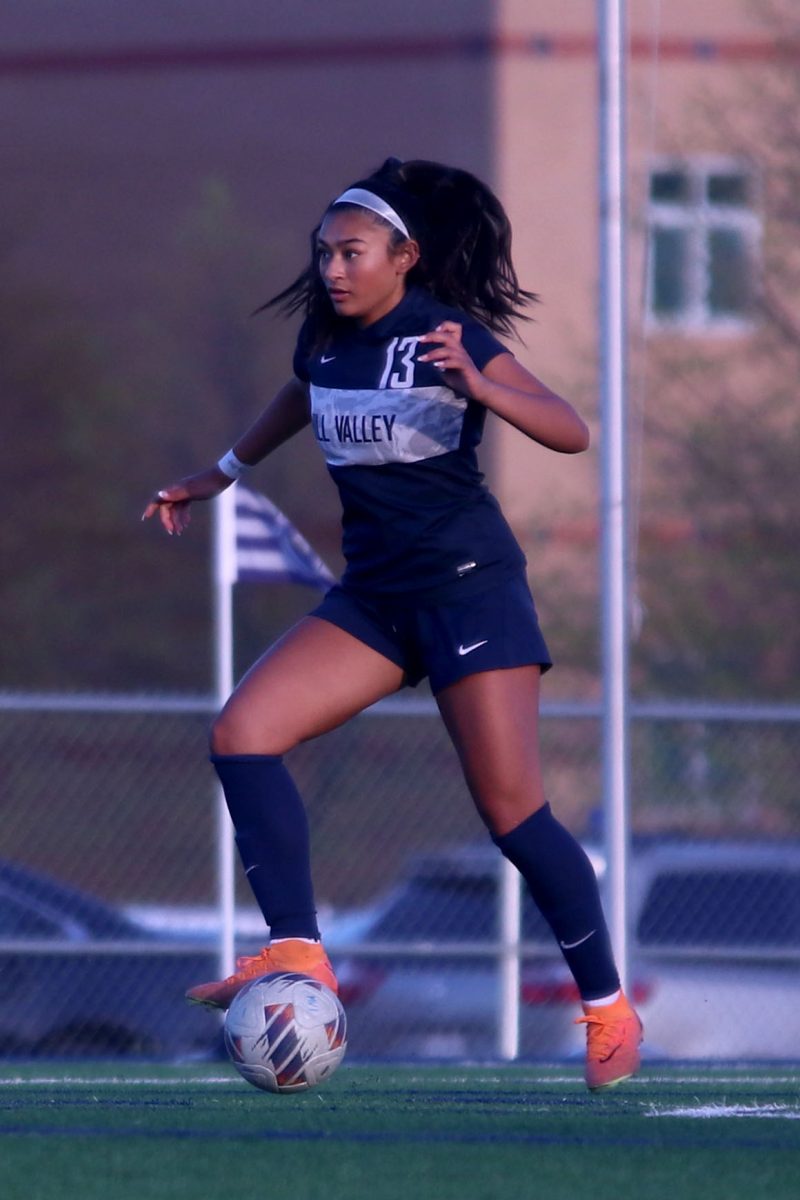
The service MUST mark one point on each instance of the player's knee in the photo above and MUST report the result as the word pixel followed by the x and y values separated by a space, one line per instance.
pixel 507 801
pixel 233 733
pixel 237 731
pixel 224 736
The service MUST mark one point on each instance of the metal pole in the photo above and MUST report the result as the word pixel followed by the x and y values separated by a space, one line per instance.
pixel 224 557
pixel 510 899
pixel 614 583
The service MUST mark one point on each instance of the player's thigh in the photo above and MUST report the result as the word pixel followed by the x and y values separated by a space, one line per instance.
pixel 313 679
pixel 493 721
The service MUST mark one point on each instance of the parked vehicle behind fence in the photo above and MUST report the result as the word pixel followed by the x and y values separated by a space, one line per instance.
pixel 715 962
pixel 78 977
pixel 717 930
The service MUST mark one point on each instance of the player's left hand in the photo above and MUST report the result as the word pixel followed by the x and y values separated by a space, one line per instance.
pixel 449 356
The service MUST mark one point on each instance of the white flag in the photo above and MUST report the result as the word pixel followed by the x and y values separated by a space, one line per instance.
pixel 270 549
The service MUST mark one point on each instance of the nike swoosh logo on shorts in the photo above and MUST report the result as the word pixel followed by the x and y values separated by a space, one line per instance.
pixel 323 359
pixel 462 650
pixel 580 941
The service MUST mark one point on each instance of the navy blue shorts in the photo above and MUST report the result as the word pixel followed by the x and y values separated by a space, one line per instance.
pixel 485 631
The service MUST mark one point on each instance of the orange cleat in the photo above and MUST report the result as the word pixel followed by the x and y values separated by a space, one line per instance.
pixel 613 1036
pixel 291 954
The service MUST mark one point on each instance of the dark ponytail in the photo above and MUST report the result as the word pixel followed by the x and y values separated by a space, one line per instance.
pixel 465 242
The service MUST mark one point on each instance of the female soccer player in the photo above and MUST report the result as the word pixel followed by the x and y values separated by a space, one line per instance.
pixel 396 366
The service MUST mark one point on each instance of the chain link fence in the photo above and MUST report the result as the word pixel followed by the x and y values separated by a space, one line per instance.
pixel 108 889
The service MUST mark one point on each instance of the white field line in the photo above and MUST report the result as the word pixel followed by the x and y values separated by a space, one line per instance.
pixel 393 1077
pixel 711 1079
pixel 646 1078
pixel 115 1081
pixel 706 1112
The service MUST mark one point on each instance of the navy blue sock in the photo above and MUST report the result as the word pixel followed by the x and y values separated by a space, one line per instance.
pixel 272 838
pixel 563 884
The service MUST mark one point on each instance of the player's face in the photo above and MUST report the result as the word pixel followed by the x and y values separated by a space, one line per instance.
pixel 365 277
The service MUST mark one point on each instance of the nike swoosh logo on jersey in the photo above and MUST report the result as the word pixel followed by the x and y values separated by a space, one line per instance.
pixel 462 650
pixel 580 941
pixel 323 359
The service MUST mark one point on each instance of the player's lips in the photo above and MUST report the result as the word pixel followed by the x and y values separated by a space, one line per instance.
pixel 337 293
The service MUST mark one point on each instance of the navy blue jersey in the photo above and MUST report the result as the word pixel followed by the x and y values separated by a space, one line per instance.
pixel 401 448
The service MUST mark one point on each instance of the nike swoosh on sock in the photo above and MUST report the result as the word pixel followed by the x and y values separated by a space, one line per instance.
pixel 580 941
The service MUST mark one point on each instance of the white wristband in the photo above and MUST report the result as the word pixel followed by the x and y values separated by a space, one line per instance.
pixel 232 466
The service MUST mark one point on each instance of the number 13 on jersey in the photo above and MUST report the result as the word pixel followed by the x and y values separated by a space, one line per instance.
pixel 398 371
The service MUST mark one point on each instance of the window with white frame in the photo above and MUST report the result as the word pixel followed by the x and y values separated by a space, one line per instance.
pixel 703 242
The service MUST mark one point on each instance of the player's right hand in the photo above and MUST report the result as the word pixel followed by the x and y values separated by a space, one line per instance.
pixel 173 503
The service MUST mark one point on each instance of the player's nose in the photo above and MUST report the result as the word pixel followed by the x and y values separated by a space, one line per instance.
pixel 333 268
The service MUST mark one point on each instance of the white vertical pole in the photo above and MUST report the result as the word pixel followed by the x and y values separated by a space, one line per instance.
pixel 224 514
pixel 510 900
pixel 614 582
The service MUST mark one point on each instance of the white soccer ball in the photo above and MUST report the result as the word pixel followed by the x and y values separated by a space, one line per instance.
pixel 286 1032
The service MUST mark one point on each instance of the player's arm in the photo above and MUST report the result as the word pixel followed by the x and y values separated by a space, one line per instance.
pixel 529 405
pixel 508 389
pixel 284 416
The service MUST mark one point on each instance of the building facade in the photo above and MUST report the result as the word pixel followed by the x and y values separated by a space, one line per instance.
pixel 164 165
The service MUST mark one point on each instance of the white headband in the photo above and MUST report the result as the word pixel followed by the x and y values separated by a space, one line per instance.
pixel 365 199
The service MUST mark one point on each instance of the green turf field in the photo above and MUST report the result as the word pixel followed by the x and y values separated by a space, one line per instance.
pixel 105 1132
